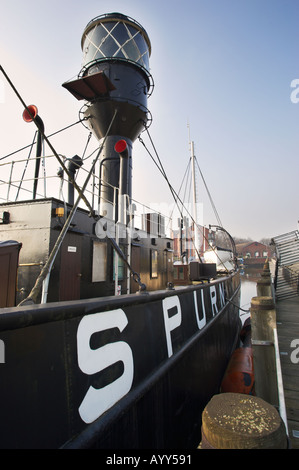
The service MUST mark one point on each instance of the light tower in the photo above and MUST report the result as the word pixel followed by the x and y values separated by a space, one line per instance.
pixel 115 77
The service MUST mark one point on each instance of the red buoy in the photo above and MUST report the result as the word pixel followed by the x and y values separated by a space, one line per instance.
pixel 239 375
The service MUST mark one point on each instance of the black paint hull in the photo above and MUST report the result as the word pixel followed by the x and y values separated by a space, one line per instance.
pixel 120 372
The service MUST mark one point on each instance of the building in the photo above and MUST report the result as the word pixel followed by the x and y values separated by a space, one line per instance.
pixel 253 253
pixel 184 242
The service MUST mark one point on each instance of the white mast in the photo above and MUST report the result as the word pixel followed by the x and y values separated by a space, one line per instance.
pixel 195 201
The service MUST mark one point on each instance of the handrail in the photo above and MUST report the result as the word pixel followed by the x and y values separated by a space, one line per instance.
pixel 287 266
pixel 280 389
pixel 54 182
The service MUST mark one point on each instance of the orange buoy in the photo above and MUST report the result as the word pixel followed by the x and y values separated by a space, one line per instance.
pixel 239 375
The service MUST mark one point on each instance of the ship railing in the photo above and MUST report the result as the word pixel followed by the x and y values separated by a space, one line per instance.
pixel 17 180
pixel 154 219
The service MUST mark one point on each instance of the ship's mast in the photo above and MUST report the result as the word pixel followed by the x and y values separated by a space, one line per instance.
pixel 195 198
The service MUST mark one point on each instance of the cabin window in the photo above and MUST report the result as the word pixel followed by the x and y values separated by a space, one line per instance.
pixel 154 263
pixel 99 261
pixel 256 254
pixel 265 254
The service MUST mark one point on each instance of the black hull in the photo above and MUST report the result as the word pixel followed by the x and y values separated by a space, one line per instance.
pixel 122 372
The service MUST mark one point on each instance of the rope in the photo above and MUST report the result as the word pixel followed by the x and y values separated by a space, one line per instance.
pixel 174 193
pixel 177 198
pixel 187 170
pixel 209 194
pixel 235 305
pixel 45 272
pixel 46 269
pixel 38 125
pixel 50 135
pixel 26 165
pixel 84 151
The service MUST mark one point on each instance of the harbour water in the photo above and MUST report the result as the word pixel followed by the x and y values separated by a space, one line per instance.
pixel 249 278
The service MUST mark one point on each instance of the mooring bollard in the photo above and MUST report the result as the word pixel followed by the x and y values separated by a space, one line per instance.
pixel 266 265
pixel 237 421
pixel 263 286
pixel 263 321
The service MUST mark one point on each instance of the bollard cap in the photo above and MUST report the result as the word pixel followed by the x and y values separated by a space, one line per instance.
pixel 239 421
pixel 266 274
pixel 262 303
pixel 264 281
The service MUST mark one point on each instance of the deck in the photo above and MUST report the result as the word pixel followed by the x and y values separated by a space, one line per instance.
pixel 287 315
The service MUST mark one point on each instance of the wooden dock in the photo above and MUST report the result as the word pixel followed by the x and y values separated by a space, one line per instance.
pixel 287 317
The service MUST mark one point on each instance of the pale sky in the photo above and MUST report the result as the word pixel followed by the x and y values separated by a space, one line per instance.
pixel 229 68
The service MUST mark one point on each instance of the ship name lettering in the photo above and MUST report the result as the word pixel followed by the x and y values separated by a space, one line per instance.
pixel 172 318
pixel 92 361
pixel 222 294
pixel 213 297
pixel 200 322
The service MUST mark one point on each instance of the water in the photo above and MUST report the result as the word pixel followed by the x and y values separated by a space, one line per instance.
pixel 249 278
pixel 248 290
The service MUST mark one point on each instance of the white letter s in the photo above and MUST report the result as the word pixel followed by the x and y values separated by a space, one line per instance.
pixel 90 361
